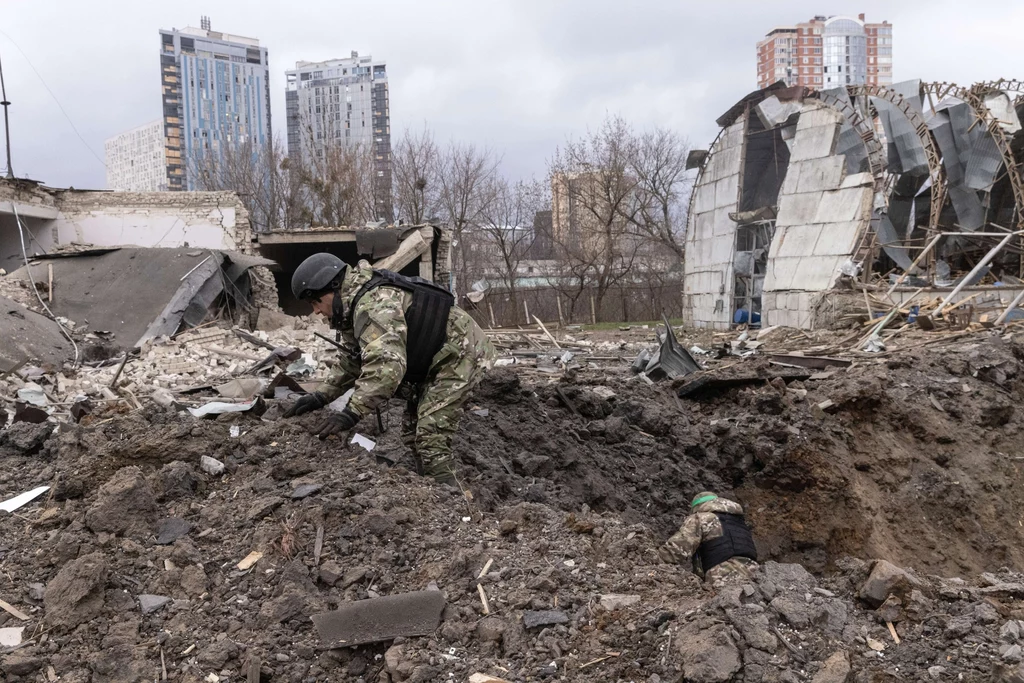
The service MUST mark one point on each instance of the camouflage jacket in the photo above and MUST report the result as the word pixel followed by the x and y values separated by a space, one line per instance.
pixel 701 525
pixel 373 357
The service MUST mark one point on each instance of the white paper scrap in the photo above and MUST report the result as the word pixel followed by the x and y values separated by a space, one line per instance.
pixel 13 504
pixel 367 443
pixel 218 407
pixel 11 636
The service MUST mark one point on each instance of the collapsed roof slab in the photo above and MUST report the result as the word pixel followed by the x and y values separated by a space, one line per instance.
pixel 27 335
pixel 134 293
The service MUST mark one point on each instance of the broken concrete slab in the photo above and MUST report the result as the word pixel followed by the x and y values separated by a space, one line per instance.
pixel 548 617
pixel 142 293
pixel 151 603
pixel 211 466
pixel 614 601
pixel 305 490
pixel 485 678
pixel 887 579
pixel 380 619
pixel 27 335
pixel 171 529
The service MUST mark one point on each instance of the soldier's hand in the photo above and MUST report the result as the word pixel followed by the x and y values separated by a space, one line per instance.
pixel 307 404
pixel 335 422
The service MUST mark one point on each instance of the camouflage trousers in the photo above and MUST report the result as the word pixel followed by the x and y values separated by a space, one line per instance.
pixel 735 570
pixel 433 417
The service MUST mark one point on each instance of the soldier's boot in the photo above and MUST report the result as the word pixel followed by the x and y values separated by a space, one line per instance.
pixel 441 471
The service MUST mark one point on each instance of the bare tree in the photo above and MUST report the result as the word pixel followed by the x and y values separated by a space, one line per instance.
pixel 257 173
pixel 596 207
pixel 415 167
pixel 336 180
pixel 465 175
pixel 507 229
pixel 657 159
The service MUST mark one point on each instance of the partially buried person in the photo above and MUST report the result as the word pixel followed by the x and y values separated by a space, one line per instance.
pixel 715 538
pixel 399 335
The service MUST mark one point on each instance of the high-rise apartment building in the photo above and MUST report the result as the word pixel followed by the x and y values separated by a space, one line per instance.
pixel 827 52
pixel 136 159
pixel 216 95
pixel 342 103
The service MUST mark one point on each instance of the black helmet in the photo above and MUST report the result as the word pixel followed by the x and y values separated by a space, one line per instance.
pixel 315 274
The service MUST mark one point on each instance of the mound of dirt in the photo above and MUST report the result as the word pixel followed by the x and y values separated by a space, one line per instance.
pixel 131 566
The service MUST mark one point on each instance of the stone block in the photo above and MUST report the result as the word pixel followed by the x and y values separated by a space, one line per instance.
pixel 841 206
pixel 817 272
pixel 727 192
pixel 816 115
pixel 838 239
pixel 821 174
pixel 704 197
pixel 796 240
pixel 815 142
pixel 798 209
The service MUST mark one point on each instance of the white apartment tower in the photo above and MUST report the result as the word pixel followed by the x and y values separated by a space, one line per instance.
pixel 342 102
pixel 136 161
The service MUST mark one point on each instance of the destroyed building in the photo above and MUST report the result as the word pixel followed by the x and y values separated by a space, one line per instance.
pixel 129 265
pixel 419 250
pixel 808 200
pixel 56 218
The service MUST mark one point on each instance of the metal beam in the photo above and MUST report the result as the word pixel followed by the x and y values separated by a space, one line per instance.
pixel 977 269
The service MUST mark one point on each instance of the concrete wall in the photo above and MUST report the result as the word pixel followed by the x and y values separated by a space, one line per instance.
pixel 208 220
pixel 37 209
pixel 711 234
pixel 822 213
pixel 54 218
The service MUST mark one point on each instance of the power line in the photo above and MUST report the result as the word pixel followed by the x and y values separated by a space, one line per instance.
pixel 59 105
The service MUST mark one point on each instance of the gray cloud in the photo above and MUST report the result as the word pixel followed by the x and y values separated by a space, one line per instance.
pixel 515 75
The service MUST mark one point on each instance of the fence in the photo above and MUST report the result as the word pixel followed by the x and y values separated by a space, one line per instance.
pixel 621 304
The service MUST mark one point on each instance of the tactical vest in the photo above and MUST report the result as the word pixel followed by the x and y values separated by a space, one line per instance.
pixel 735 541
pixel 426 319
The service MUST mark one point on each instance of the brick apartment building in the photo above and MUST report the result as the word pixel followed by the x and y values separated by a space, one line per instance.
pixel 826 52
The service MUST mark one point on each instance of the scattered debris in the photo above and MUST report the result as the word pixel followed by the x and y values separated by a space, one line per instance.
pixel 249 560
pixel 211 466
pixel 366 443
pixel 151 603
pixel 534 619
pixel 12 504
pixel 10 636
pixel 171 529
pixel 380 619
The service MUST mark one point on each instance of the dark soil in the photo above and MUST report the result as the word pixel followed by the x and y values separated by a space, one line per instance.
pixel 916 462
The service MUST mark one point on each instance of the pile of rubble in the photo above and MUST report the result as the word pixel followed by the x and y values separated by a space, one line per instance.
pixel 163 523
pixel 172 547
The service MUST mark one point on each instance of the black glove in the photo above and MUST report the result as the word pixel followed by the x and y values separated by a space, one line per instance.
pixel 334 422
pixel 307 404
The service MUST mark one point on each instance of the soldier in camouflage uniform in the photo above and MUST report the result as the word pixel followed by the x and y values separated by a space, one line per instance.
pixel 399 336
pixel 715 537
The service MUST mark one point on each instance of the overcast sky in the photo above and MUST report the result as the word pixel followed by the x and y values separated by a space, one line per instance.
pixel 516 75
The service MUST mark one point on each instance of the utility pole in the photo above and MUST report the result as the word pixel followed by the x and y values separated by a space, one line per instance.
pixel 7 124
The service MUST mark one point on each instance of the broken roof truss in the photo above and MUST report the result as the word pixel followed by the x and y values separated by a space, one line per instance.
pixel 855 182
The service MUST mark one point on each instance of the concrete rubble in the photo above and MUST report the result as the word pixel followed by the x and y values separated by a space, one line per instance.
pixel 210 545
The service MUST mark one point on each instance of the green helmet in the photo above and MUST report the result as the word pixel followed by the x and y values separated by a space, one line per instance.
pixel 316 274
pixel 702 497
